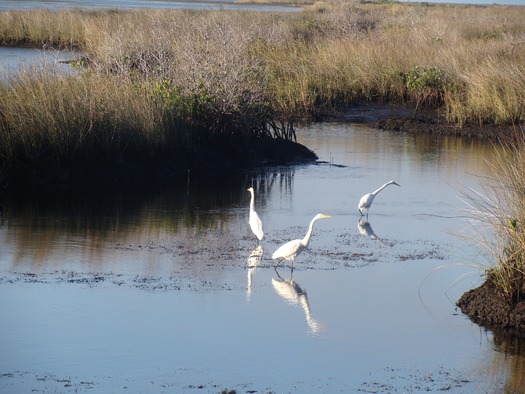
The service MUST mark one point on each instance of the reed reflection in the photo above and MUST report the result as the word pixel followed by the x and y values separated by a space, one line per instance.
pixel 508 362
pixel 293 294
pixel 253 261
pixel 46 229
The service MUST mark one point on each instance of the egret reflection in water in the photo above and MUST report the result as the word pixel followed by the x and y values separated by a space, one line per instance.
pixel 293 294
pixel 253 261
pixel 364 227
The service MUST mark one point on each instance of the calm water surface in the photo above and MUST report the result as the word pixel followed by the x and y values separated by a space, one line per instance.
pixel 18 60
pixel 167 291
pixel 138 4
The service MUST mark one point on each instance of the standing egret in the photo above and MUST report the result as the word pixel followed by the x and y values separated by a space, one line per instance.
pixel 291 249
pixel 255 220
pixel 367 200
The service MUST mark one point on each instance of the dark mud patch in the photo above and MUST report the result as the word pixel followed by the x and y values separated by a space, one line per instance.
pixel 434 126
pixel 14 381
pixel 43 382
pixel 355 251
pixel 486 306
pixel 418 381
pixel 391 380
pixel 204 266
pixel 148 283
pixel 403 118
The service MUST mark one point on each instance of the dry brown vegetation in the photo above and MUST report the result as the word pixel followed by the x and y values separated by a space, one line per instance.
pixel 181 78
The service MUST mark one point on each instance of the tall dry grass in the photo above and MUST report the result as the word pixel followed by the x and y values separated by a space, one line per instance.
pixel 46 118
pixel 43 27
pixel 190 76
pixel 155 82
pixel 499 216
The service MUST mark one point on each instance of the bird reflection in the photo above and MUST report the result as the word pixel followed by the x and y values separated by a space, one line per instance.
pixel 292 293
pixel 253 261
pixel 365 228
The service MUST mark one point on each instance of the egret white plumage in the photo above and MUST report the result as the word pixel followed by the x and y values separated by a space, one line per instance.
pixel 255 220
pixel 291 249
pixel 367 200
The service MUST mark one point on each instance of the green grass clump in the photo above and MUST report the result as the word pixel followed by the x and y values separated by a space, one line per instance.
pixel 499 216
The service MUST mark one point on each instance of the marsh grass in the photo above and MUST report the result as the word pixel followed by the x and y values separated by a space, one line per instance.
pixel 164 78
pixel 499 216
pixel 43 27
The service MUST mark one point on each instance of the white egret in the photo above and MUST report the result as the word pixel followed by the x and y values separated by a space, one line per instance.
pixel 255 220
pixel 367 200
pixel 291 249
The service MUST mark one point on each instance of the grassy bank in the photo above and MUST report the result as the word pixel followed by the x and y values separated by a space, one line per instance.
pixel 191 79
pixel 508 210
pixel 499 217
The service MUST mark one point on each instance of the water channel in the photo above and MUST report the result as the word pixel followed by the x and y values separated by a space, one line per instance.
pixel 168 291
pixel 55 5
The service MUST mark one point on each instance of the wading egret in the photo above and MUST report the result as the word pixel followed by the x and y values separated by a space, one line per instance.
pixel 255 220
pixel 367 200
pixel 291 249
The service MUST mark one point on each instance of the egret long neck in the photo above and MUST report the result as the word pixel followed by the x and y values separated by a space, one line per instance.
pixel 306 239
pixel 381 188
pixel 252 202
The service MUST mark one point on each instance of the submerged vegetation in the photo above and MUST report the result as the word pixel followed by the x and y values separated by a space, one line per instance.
pixel 177 82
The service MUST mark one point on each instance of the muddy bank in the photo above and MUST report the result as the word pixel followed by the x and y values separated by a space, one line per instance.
pixel 487 307
pixel 402 118
pixel 434 126
pixel 177 164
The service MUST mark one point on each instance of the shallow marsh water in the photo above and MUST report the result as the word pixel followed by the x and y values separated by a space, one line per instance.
pixel 167 291
pixel 54 5
pixel 18 60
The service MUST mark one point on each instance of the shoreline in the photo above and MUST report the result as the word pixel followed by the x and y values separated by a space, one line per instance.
pixel 171 166
pixel 174 165
pixel 483 305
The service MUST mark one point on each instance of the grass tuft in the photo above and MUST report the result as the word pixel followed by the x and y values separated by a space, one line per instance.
pixel 500 217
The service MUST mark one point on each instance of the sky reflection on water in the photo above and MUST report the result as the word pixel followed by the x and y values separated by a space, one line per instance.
pixel 18 60
pixel 139 4
pixel 166 291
